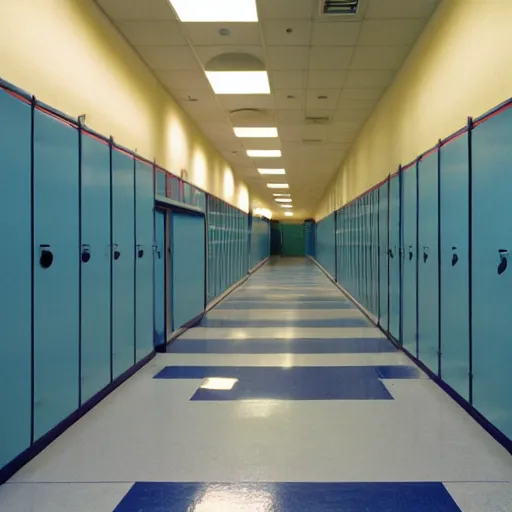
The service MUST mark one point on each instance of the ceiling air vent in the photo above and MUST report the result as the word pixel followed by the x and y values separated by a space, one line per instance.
pixel 312 142
pixel 340 7
pixel 317 119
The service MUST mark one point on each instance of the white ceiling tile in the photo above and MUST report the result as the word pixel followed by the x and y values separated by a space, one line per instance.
pixel 379 57
pixel 203 97
pixel 262 143
pixel 156 10
pixel 361 94
pixel 291 133
pixel 207 34
pixel 285 58
pixel 354 104
pixel 184 80
pixel 168 57
pixel 323 79
pixel 286 9
pixel 368 79
pixel 205 53
pixel 330 57
pixel 386 9
pixel 358 117
pixel 322 98
pixel 276 32
pixel 288 79
pixel 346 136
pixel 290 116
pixel 390 32
pixel 201 113
pixel 290 99
pixel 217 130
pixel 315 132
pixel 336 33
pixel 152 33
pixel 236 101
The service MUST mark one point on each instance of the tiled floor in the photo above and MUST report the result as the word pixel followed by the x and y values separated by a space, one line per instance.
pixel 263 409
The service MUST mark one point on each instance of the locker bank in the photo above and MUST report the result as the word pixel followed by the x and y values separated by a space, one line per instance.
pixel 255 256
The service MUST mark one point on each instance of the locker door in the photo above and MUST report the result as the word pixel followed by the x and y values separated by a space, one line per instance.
pixel 394 257
pixel 187 267
pixel 123 263
pixel 492 270
pixel 409 209
pixel 57 256
pixel 159 286
pixel 428 291
pixel 383 260
pixel 144 207
pixel 95 261
pixel 167 237
pixel 15 276
pixel 454 265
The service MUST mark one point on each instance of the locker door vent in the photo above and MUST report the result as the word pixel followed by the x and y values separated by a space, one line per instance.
pixel 339 7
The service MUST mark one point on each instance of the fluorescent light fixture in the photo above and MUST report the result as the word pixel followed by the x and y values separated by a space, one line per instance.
pixel 256 133
pixel 288 214
pixel 272 171
pixel 216 11
pixel 218 383
pixel 281 195
pixel 278 185
pixel 264 153
pixel 286 206
pixel 283 200
pixel 239 82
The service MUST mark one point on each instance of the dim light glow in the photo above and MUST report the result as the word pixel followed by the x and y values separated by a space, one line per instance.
pixel 281 195
pixel 286 206
pixel 278 185
pixel 264 153
pixel 239 82
pixel 256 133
pixel 263 212
pixel 216 11
pixel 283 200
pixel 271 171
pixel 288 214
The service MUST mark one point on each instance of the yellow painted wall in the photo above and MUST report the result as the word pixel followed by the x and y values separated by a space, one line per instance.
pixel 69 55
pixel 460 66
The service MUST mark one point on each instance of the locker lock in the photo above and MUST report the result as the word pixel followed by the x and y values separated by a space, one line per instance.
pixel 86 253
pixel 156 250
pixel 425 253
pixel 455 257
pixel 46 256
pixel 117 252
pixel 140 251
pixel 390 253
pixel 503 261
pixel 411 254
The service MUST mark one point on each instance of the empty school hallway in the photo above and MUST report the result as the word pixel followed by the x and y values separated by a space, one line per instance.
pixel 284 399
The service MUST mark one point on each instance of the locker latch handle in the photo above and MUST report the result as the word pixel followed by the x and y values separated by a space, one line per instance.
pixel 425 253
pixel 117 252
pixel 455 257
pixel 86 253
pixel 140 251
pixel 156 250
pixel 390 253
pixel 46 256
pixel 411 254
pixel 503 261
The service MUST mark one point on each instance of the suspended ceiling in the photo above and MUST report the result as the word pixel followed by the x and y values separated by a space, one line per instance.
pixel 319 67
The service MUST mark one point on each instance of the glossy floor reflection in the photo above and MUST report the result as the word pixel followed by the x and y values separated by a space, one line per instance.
pixel 270 413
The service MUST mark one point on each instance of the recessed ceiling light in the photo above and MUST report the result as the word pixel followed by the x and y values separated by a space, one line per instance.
pixel 281 195
pixel 286 206
pixel 256 133
pixel 283 200
pixel 218 11
pixel 288 214
pixel 264 153
pixel 271 171
pixel 239 82
pixel 278 185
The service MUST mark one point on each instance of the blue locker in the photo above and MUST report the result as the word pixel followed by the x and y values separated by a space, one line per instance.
pixel 409 210
pixel 428 287
pixel 159 279
pixel 492 270
pixel 187 267
pixel 95 261
pixel 15 273
pixel 123 262
pixel 394 257
pixel 144 238
pixel 375 250
pixel 56 271
pixel 384 256
pixel 454 265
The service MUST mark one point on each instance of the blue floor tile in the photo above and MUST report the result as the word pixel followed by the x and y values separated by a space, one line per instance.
pixel 283 346
pixel 331 322
pixel 288 497
pixel 296 383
